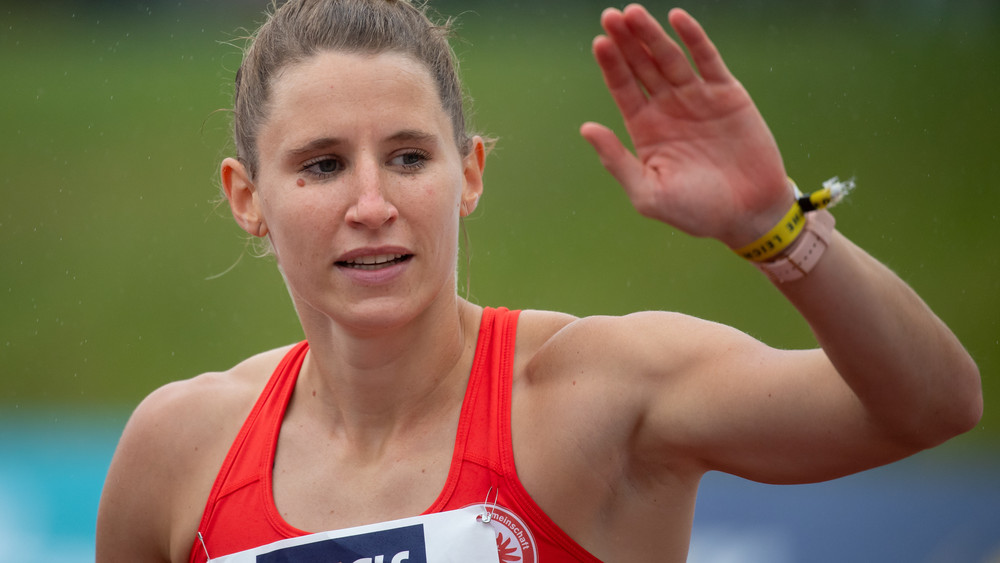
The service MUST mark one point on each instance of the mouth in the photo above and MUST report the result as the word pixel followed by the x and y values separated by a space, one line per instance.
pixel 374 262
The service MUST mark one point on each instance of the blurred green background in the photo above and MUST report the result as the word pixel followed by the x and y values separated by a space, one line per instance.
pixel 113 120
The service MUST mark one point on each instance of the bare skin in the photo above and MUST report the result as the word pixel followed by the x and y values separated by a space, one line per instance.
pixel 636 409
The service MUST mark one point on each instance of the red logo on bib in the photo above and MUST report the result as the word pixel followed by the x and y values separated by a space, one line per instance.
pixel 515 544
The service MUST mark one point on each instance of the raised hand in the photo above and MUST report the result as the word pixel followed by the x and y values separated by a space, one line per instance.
pixel 705 160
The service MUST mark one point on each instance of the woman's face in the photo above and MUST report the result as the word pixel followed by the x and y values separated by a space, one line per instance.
pixel 360 188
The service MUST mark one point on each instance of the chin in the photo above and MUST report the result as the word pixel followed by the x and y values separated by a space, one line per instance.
pixel 378 315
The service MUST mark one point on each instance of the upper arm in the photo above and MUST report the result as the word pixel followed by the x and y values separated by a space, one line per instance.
pixel 779 416
pixel 709 397
pixel 134 517
pixel 167 460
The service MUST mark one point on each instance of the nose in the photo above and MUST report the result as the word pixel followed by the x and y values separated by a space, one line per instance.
pixel 371 209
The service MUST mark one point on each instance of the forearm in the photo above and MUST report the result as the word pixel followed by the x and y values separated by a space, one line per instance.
pixel 906 366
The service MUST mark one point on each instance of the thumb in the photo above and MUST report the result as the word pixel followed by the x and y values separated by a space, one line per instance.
pixel 618 160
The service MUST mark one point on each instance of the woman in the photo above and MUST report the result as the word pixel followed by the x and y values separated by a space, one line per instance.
pixel 354 164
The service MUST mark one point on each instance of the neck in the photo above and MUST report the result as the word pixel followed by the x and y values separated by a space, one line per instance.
pixel 372 384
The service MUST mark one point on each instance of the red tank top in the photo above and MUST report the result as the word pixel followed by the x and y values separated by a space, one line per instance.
pixel 240 513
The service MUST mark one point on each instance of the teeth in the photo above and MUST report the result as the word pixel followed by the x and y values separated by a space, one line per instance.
pixel 378 260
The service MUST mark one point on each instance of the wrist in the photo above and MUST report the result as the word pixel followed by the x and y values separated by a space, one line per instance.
pixel 800 257
pixel 756 226
pixel 772 243
pixel 795 244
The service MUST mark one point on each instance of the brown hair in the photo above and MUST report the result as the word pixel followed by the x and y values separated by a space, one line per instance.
pixel 299 29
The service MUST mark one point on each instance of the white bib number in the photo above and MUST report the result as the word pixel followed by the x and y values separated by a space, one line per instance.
pixel 456 536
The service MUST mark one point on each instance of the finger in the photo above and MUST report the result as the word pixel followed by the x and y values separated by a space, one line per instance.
pixel 666 54
pixel 618 77
pixel 634 52
pixel 619 161
pixel 704 53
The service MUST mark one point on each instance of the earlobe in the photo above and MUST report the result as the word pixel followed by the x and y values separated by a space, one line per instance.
pixel 468 206
pixel 242 195
pixel 475 163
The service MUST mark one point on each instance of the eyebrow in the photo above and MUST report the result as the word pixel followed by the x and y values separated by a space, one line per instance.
pixel 315 144
pixel 412 135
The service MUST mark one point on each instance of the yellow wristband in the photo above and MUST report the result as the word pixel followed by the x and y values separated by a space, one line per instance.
pixel 777 239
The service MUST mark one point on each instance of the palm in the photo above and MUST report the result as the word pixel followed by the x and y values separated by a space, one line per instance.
pixel 705 160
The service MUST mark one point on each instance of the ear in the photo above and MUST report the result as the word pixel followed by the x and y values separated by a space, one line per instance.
pixel 474 164
pixel 242 196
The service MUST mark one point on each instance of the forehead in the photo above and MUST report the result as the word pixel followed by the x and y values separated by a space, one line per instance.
pixel 348 94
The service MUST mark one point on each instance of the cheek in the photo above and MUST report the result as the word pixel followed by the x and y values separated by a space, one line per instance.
pixel 297 218
pixel 438 197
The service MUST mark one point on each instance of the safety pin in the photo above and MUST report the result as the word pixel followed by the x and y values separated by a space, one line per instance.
pixel 203 546
pixel 487 513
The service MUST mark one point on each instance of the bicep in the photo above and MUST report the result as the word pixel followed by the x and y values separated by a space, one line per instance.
pixel 725 401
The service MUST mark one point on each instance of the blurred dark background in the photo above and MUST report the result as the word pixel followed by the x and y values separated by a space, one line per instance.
pixel 121 271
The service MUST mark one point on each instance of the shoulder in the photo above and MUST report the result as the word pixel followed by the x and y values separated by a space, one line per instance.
pixel 170 451
pixel 591 384
pixel 182 415
pixel 611 375
pixel 603 372
pixel 551 343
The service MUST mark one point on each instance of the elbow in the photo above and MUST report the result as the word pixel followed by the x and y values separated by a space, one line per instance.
pixel 960 405
pixel 951 408
pixel 971 410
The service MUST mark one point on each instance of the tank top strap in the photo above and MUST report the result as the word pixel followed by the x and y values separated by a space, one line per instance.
pixel 485 441
pixel 247 465
pixel 258 438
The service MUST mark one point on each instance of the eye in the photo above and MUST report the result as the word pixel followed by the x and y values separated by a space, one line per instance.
pixel 410 160
pixel 322 166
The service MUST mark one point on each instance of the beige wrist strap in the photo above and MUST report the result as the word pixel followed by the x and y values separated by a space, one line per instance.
pixel 805 252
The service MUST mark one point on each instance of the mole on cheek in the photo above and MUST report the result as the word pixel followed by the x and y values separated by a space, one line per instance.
pixel 301 182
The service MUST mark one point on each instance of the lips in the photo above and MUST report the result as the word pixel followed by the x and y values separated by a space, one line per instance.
pixel 374 261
